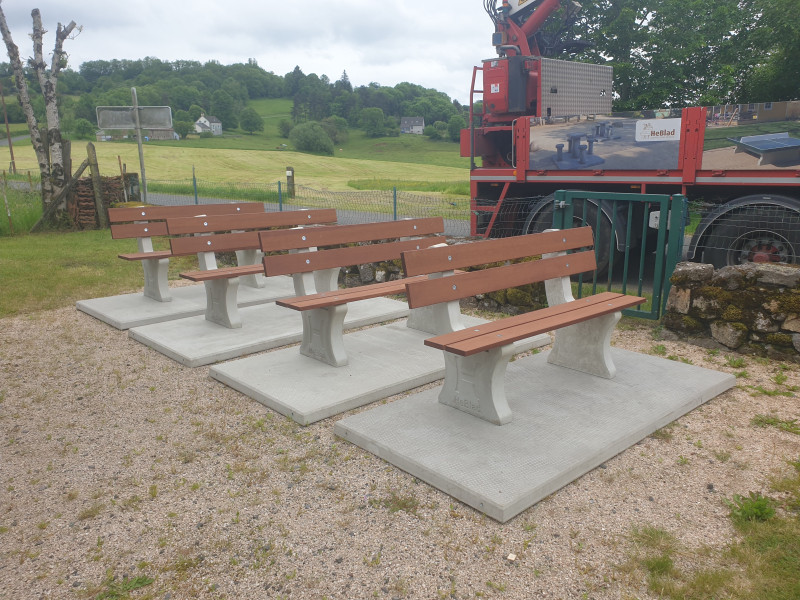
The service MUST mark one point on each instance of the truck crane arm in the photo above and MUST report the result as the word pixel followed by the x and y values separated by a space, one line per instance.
pixel 519 29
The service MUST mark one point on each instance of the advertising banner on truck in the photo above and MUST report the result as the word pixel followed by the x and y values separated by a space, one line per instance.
pixel 755 136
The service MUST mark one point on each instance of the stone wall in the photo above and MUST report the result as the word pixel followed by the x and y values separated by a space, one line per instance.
pixel 751 308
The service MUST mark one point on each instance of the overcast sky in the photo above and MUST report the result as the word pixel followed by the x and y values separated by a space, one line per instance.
pixel 428 42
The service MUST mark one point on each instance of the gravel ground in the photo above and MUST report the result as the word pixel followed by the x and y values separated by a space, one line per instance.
pixel 120 466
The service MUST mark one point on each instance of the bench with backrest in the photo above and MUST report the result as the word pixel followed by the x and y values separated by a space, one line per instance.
pixel 211 234
pixel 476 357
pixel 146 222
pixel 315 258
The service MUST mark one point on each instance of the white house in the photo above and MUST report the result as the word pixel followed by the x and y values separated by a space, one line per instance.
pixel 204 123
pixel 414 125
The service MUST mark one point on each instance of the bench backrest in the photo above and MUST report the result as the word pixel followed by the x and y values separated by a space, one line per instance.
pixel 147 221
pixel 322 237
pixel 448 258
pixel 246 228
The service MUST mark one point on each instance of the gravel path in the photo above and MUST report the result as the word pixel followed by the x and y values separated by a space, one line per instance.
pixel 120 466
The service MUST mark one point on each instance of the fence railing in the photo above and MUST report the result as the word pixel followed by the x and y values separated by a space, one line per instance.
pixel 351 206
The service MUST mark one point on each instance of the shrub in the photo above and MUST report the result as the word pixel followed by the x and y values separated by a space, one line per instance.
pixel 311 137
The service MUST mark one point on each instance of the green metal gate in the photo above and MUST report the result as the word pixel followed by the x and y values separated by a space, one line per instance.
pixel 628 229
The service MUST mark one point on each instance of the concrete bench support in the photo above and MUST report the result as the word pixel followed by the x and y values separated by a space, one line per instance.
pixel 155 273
pixel 584 346
pixel 476 384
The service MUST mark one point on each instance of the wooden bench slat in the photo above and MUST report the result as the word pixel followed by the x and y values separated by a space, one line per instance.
pixel 161 213
pixel 505 331
pixel 146 255
pixel 433 291
pixel 220 242
pixel 338 297
pixel 228 222
pixel 497 250
pixel 346 234
pixel 136 230
pixel 304 262
pixel 223 273
pixel 499 325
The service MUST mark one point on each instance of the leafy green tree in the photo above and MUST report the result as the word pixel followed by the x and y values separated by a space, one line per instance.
pixel 183 128
pixel 454 127
pixel 285 127
pixel 195 111
pixel 223 107
pixel 392 127
pixel 250 120
pixel 373 121
pixel 311 137
pixel 84 130
pixel 336 128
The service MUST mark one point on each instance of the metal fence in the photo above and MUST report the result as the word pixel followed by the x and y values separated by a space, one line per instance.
pixel 351 206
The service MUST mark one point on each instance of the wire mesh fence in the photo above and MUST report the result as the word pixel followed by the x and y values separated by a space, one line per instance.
pixel 351 206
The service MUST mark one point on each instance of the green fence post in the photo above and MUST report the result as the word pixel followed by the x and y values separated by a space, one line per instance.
pixel 562 210
pixel 194 184
pixel 677 222
pixel 280 197
pixel 394 202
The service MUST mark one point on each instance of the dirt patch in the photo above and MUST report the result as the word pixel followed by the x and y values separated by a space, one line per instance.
pixel 123 468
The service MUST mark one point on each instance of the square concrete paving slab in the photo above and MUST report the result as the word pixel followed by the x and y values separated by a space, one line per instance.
pixel 195 342
pixel 134 310
pixel 565 424
pixel 383 361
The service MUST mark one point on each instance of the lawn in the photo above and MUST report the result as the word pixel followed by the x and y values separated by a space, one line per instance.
pixel 171 163
pixel 51 270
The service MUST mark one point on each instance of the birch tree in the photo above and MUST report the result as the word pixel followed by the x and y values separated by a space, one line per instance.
pixel 49 148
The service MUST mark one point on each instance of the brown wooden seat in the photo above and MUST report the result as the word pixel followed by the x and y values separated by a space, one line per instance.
pixel 476 357
pixel 208 235
pixel 316 258
pixel 146 222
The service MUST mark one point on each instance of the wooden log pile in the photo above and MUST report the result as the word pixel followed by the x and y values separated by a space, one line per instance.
pixel 81 202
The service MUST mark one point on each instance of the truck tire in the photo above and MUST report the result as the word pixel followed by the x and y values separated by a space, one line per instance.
pixel 543 219
pixel 760 233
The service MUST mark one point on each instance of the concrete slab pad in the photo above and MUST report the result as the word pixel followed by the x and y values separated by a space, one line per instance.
pixel 565 424
pixel 195 342
pixel 134 310
pixel 383 361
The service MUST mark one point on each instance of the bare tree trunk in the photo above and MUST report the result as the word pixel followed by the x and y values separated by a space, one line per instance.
pixel 48 148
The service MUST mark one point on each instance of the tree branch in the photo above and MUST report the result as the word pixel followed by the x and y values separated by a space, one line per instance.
pixel 62 33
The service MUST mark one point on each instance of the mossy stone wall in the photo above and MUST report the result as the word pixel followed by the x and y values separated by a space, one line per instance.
pixel 751 308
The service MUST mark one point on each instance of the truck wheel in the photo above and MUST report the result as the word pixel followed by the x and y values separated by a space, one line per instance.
pixel 538 222
pixel 760 234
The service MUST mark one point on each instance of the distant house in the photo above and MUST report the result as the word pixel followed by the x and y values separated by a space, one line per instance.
pixel 163 134
pixel 415 125
pixel 212 124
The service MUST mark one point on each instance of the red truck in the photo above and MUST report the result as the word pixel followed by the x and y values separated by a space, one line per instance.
pixel 547 124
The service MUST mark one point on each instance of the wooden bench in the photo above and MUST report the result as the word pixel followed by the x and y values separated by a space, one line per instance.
pixel 476 357
pixel 146 222
pixel 210 234
pixel 315 260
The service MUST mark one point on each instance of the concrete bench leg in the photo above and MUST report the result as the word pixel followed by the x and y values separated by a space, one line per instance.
pixel 586 346
pixel 475 384
pixel 221 305
pixel 155 273
pixel 323 335
pixel 437 319
pixel 155 279
pixel 250 257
